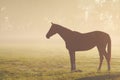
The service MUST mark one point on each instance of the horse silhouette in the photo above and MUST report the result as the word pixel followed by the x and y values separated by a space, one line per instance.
pixel 76 41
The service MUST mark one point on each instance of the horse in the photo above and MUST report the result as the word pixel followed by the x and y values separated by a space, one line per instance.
pixel 76 41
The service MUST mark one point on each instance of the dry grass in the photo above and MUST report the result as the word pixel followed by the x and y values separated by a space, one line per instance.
pixel 32 64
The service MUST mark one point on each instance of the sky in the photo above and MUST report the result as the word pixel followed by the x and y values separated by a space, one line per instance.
pixel 28 21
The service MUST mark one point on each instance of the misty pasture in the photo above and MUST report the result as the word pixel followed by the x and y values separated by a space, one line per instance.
pixel 18 63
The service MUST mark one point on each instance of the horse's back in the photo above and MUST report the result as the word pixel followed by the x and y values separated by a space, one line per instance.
pixel 86 41
pixel 96 37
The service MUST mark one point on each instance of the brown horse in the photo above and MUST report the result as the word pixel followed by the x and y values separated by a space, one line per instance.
pixel 76 41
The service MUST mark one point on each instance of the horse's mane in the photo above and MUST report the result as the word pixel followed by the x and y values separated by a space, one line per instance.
pixel 62 27
pixel 66 28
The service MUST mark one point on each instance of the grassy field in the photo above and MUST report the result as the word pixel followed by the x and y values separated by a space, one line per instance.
pixel 40 64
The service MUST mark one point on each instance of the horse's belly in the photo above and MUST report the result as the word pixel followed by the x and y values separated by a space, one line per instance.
pixel 84 47
pixel 81 46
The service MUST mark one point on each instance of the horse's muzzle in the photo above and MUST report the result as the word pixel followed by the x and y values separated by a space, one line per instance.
pixel 47 37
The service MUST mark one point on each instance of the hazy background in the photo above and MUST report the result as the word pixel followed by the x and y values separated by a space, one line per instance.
pixel 25 22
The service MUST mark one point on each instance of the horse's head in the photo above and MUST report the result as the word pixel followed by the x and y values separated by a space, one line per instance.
pixel 52 31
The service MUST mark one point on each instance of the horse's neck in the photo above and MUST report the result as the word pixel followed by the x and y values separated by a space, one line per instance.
pixel 64 33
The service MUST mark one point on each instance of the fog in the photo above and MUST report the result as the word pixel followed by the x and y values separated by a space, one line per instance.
pixel 26 22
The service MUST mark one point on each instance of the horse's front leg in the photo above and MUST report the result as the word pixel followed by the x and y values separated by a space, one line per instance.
pixel 72 60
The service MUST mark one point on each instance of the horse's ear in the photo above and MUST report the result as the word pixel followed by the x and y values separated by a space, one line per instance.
pixel 52 23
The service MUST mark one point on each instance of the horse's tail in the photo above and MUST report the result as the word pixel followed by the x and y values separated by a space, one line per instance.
pixel 109 48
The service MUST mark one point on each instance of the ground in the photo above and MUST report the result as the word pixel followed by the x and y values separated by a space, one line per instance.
pixel 40 64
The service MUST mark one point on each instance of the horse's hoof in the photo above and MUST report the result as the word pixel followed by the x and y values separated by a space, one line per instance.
pixel 108 71
pixel 76 71
pixel 98 71
pixel 79 71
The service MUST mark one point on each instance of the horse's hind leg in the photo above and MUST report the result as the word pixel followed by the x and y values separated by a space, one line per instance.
pixel 107 59
pixel 102 51
pixel 101 59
